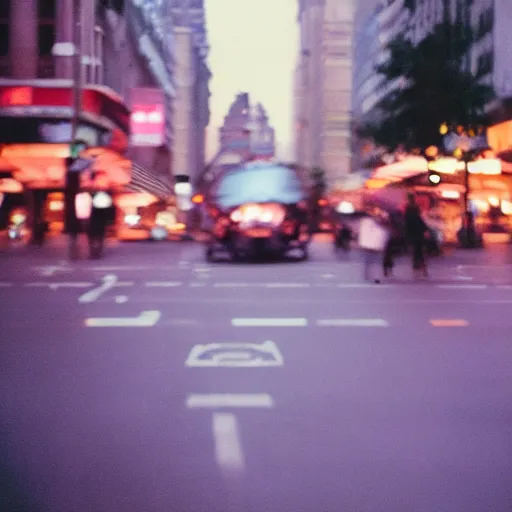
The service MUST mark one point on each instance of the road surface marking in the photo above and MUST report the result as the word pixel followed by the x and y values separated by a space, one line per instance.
pixel 287 285
pixel 269 322
pixel 449 323
pixel 462 286
pixel 145 319
pixel 121 299
pixel 235 355
pixel 365 285
pixel 228 448
pixel 328 276
pixel 163 284
pixel 123 284
pixel 196 285
pixel 5 285
pixel 504 286
pixel 231 400
pixel 56 286
pixel 109 282
pixel 231 285
pixel 462 278
pixel 51 270
pixel 352 322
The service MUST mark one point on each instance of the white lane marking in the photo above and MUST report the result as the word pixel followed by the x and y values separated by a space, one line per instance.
pixel 145 319
pixel 163 284
pixel 231 285
pixel 108 283
pixel 196 285
pixel 287 285
pixel 269 322
pixel 134 268
pixel 123 284
pixel 462 278
pixel 56 285
pixel 51 270
pixel 121 299
pixel 352 322
pixel 328 276
pixel 462 286
pixel 229 400
pixel 228 448
pixel 5 285
pixel 365 285
pixel 504 287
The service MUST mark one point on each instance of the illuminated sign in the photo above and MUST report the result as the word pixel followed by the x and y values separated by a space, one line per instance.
pixel 147 121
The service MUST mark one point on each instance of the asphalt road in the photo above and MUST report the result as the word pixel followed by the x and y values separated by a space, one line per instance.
pixel 151 381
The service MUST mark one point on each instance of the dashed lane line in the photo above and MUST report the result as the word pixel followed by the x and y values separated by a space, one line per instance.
pixel 269 322
pixel 352 322
pixel 56 285
pixel 454 322
pixel 163 284
pixel 228 447
pixel 145 319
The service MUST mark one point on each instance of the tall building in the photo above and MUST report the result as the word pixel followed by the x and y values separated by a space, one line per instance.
pixel 246 131
pixel 323 88
pixel 191 108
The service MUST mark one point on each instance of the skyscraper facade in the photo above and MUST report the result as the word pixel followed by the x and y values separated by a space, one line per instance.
pixel 246 131
pixel 323 87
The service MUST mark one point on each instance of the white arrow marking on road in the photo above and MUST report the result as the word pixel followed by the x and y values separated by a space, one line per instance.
pixel 353 322
pixel 217 401
pixel 269 322
pixel 163 284
pixel 228 448
pixel 145 319
pixel 108 282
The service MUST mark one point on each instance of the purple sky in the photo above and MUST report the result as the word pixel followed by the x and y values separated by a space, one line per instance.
pixel 253 49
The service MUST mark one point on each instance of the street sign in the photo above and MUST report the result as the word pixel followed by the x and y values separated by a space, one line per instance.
pixel 240 355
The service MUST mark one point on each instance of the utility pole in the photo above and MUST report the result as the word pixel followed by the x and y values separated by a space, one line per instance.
pixel 72 186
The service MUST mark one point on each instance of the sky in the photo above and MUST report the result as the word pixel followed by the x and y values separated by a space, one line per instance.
pixel 253 48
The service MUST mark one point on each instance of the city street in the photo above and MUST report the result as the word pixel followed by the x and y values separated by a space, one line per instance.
pixel 153 381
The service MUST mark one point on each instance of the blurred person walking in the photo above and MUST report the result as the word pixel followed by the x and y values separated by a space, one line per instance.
pixel 101 213
pixel 373 237
pixel 393 244
pixel 415 229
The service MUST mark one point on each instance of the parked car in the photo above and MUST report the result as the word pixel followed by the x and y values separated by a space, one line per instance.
pixel 257 208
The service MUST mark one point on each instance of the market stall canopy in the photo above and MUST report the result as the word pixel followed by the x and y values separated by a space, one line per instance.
pixel 402 169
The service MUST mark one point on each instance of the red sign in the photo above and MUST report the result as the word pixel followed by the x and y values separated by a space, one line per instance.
pixel 147 122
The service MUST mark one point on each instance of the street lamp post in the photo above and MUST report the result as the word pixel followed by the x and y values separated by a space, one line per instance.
pixel 72 186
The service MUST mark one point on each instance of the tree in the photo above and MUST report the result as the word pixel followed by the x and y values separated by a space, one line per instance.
pixel 115 5
pixel 435 86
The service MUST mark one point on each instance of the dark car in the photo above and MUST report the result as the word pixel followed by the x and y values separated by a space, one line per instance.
pixel 257 208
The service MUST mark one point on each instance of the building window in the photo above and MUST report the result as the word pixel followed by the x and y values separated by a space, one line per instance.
pixel 46 34
pixel 5 8
pixel 46 11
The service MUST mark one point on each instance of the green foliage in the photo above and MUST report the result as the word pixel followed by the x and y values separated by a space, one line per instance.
pixel 115 5
pixel 435 87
